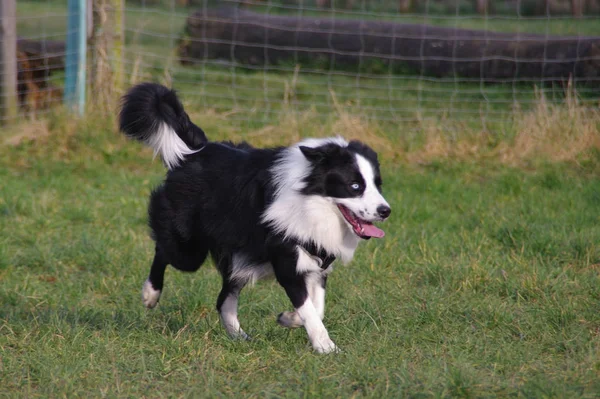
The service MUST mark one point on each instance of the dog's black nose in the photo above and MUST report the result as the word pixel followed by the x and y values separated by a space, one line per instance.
pixel 384 211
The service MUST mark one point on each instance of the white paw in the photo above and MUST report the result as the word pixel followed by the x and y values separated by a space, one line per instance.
pixel 235 331
pixel 289 320
pixel 150 296
pixel 232 326
pixel 325 346
pixel 239 334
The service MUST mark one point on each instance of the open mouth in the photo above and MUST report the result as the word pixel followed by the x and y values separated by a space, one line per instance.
pixel 361 228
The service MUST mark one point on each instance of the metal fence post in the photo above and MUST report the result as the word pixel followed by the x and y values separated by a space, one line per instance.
pixel 75 68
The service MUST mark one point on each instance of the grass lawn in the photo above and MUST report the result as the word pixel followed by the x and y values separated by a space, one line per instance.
pixel 486 285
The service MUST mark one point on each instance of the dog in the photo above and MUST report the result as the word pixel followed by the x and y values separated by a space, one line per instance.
pixel 287 211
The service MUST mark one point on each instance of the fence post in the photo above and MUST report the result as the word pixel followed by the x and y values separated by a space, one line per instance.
pixel 577 7
pixel 89 18
pixel 118 42
pixel 8 60
pixel 75 68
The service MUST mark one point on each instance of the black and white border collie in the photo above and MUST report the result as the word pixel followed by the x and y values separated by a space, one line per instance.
pixel 288 212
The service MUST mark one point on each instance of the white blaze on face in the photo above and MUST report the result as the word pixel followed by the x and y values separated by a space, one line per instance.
pixel 365 206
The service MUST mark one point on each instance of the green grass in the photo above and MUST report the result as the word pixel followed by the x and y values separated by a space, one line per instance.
pixel 486 285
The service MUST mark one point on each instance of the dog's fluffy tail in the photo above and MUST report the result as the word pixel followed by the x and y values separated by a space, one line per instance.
pixel 154 115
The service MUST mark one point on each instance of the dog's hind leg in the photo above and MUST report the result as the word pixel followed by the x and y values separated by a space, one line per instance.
pixel 227 304
pixel 154 284
pixel 184 258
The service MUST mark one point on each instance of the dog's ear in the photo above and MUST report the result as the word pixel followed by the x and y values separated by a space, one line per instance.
pixel 363 149
pixel 315 155
pixel 322 153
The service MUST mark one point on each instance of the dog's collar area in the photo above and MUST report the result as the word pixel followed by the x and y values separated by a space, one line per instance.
pixel 326 259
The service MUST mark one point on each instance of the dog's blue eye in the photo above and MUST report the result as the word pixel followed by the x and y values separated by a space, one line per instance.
pixel 355 186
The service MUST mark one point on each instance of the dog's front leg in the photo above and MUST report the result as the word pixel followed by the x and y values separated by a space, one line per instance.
pixel 316 292
pixel 317 333
pixel 315 283
pixel 296 287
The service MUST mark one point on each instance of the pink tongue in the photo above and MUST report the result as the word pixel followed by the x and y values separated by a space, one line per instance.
pixel 370 230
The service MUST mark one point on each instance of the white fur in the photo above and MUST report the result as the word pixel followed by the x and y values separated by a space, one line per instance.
pixel 366 205
pixel 311 267
pixel 308 218
pixel 229 317
pixel 313 218
pixel 289 320
pixel 171 148
pixel 316 293
pixel 150 296
pixel 317 334
pixel 307 263
pixel 243 272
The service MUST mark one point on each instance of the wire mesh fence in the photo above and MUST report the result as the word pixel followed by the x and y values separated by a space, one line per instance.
pixel 393 62
pixel 41 30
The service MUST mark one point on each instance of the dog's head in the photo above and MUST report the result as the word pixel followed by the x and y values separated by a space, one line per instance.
pixel 350 177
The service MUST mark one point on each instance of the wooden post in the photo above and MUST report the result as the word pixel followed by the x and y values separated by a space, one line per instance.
pixel 90 18
pixel 118 25
pixel 405 6
pixel 75 66
pixel 577 8
pixel 108 40
pixel 482 7
pixel 8 60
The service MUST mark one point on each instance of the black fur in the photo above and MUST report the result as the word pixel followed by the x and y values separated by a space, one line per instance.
pixel 213 202
pixel 334 171
pixel 147 105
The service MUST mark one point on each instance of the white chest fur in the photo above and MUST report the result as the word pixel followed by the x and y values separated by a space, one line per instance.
pixel 310 219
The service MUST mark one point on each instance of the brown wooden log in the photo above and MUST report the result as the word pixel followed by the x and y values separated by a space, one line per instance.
pixel 260 39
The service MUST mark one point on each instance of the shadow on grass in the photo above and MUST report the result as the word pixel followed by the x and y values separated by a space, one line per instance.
pixel 168 320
